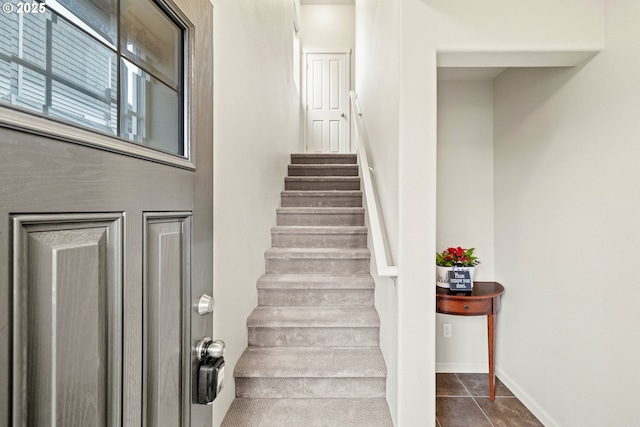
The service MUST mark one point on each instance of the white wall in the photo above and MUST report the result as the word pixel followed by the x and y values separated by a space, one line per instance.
pixel 256 127
pixel 567 231
pixel 377 57
pixel 407 156
pixel 465 208
pixel 331 26
pixel 377 89
pixel 502 25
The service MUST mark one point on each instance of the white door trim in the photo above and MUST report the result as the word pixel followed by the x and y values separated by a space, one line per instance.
pixel 305 52
pixel 326 50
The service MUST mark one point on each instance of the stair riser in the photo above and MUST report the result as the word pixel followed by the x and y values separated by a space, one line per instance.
pixel 308 413
pixel 314 337
pixel 310 170
pixel 323 160
pixel 318 297
pixel 310 387
pixel 322 185
pixel 319 266
pixel 320 219
pixel 308 201
pixel 281 240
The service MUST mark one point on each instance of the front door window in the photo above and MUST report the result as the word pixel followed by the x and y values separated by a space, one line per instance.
pixel 112 66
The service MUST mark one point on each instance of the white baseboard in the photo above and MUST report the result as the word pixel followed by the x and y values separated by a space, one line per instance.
pixel 527 400
pixel 463 368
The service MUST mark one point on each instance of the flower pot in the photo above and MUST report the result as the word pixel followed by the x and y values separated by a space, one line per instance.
pixel 442 275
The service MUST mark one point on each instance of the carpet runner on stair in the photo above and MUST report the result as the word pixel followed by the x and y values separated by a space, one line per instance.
pixel 314 357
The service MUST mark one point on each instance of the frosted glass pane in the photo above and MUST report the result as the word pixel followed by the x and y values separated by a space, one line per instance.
pixel 150 110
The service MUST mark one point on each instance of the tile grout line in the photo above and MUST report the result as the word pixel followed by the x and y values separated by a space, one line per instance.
pixel 474 401
pixel 482 410
pixel 454 395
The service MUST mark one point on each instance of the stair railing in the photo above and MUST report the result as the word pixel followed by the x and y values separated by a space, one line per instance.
pixel 377 235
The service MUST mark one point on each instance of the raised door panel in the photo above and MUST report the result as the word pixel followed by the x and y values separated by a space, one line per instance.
pixel 338 89
pixel 67 319
pixel 317 86
pixel 317 108
pixel 335 80
pixel 166 319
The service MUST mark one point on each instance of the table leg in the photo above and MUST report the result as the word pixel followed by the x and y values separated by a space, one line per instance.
pixel 491 329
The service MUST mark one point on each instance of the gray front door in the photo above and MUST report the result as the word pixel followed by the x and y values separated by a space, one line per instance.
pixel 102 255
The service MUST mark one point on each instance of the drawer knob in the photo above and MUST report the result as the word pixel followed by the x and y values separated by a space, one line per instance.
pixel 466 306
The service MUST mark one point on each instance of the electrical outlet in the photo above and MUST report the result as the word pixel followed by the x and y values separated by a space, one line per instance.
pixel 446 330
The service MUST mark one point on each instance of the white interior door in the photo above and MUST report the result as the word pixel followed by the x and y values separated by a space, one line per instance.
pixel 327 102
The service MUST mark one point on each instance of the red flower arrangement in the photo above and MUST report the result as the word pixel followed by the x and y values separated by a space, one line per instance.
pixel 458 257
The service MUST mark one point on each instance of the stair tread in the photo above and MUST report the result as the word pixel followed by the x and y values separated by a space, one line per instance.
pixel 316 281
pixel 322 178
pixel 314 317
pixel 318 253
pixel 319 193
pixel 343 412
pixel 316 155
pixel 318 182
pixel 324 165
pixel 318 229
pixel 323 169
pixel 320 209
pixel 311 362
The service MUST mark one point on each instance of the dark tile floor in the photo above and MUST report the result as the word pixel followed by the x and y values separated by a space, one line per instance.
pixel 462 400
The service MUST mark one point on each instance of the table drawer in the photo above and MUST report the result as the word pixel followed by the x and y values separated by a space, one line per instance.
pixel 469 308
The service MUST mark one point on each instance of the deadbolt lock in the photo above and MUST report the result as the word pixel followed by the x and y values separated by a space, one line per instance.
pixel 205 305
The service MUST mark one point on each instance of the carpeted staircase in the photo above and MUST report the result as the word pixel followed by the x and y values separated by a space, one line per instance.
pixel 313 357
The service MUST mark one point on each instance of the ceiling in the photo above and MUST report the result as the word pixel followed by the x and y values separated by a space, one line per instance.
pixel 309 2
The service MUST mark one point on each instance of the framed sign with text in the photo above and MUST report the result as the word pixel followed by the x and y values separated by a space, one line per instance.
pixel 460 281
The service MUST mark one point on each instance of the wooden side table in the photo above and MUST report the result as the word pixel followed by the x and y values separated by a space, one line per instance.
pixel 484 300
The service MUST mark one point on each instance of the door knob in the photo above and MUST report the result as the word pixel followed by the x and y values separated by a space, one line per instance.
pixel 210 377
pixel 207 348
pixel 344 116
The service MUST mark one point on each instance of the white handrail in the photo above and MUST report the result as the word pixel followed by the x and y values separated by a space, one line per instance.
pixel 379 248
